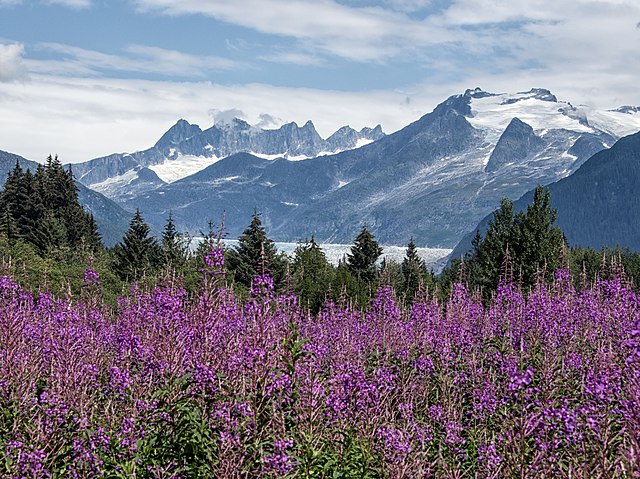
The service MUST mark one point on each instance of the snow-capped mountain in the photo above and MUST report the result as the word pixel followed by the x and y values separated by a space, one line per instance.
pixel 186 149
pixel 433 180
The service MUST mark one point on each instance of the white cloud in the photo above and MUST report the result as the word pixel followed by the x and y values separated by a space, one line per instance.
pixel 137 58
pixel 294 58
pixel 83 118
pixel 71 3
pixel 361 34
pixel 226 116
pixel 11 63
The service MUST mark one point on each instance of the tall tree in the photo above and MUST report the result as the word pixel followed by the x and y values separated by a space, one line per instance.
pixel 255 254
pixel 531 240
pixel 414 271
pixel 538 243
pixel 43 209
pixel 174 245
pixel 138 252
pixel 361 260
pixel 312 274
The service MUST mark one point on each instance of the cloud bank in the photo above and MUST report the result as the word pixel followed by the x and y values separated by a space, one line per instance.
pixel 11 63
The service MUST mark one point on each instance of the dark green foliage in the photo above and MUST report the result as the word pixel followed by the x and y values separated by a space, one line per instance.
pixel 414 272
pixel 174 247
pixel 365 251
pixel 138 253
pixel 523 245
pixel 312 274
pixel 587 264
pixel 256 254
pixel 43 209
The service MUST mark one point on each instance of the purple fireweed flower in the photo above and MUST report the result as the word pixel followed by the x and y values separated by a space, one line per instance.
pixel 262 287
pixel 488 455
pixel 214 262
pixel 393 444
pixel 91 278
pixel 278 464
pixel 519 381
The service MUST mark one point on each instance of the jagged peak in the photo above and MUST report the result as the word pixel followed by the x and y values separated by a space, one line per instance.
pixel 629 109
pixel 517 123
pixel 541 94
pixel 180 131
pixel 477 92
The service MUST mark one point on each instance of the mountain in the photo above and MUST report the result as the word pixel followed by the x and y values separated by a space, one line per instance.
pixel 433 180
pixel 598 205
pixel 112 220
pixel 185 149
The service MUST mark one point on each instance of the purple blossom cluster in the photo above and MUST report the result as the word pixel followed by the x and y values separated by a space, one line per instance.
pixel 543 384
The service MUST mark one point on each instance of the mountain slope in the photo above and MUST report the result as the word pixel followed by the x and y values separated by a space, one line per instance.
pixel 185 149
pixel 432 180
pixel 598 205
pixel 112 219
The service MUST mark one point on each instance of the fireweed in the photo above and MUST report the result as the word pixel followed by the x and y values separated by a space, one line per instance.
pixel 168 385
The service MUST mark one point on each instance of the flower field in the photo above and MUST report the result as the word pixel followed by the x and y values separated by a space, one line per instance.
pixel 170 386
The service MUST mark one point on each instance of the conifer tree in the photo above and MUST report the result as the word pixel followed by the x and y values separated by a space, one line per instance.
pixel 532 241
pixel 43 209
pixel 138 252
pixel 362 258
pixel 255 254
pixel 414 271
pixel 175 246
pixel 312 274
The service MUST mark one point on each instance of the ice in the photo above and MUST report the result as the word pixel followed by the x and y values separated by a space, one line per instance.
pixel 493 115
pixel 434 258
pixel 182 166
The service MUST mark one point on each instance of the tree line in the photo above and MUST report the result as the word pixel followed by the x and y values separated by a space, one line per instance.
pixel 47 238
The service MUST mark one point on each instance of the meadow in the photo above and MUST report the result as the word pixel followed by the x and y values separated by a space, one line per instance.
pixel 537 383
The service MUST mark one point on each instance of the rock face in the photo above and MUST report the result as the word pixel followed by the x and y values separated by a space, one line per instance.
pixel 517 144
pixel 433 180
pixel 186 149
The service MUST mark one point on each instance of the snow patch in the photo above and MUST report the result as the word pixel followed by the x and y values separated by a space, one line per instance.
pixel 285 155
pixel 222 181
pixel 492 115
pixel 362 142
pixel 108 186
pixel 435 258
pixel 182 166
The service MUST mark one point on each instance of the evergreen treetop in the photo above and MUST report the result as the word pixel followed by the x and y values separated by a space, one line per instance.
pixel 361 260
pixel 138 253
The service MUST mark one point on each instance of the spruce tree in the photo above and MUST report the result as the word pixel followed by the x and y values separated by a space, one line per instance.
pixel 43 209
pixel 414 271
pixel 255 254
pixel 538 243
pixel 138 252
pixel 175 246
pixel 362 258
pixel 530 238
pixel 312 274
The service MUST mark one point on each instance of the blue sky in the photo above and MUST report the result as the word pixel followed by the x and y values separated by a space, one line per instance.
pixel 84 78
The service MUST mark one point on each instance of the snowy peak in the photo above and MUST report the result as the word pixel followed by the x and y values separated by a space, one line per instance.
pixel 181 131
pixel 541 109
pixel 627 109
pixel 186 149
pixel 347 138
